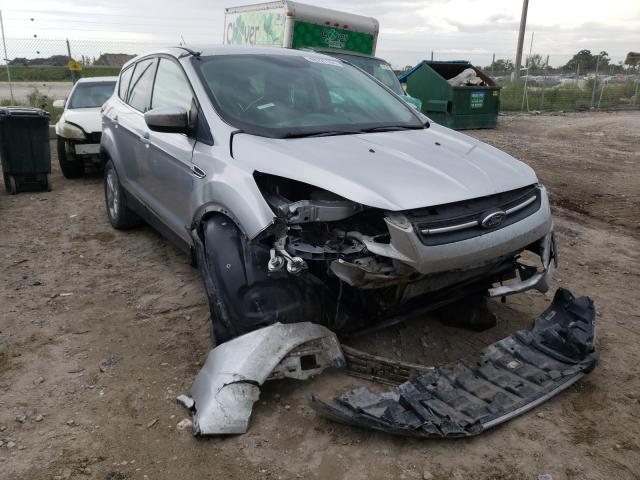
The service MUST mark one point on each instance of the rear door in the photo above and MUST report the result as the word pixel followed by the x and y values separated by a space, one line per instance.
pixel 170 182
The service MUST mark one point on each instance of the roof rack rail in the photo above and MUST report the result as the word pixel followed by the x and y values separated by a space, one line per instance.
pixel 189 52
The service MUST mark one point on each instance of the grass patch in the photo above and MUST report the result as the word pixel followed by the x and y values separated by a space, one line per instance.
pixel 39 100
pixel 53 74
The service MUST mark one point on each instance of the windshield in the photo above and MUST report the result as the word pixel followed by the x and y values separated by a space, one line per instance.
pixel 91 95
pixel 375 67
pixel 289 95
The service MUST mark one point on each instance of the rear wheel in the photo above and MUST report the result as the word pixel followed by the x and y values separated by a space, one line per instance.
pixel 120 216
pixel 70 166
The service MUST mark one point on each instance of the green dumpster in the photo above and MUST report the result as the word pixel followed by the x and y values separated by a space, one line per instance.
pixel 461 106
pixel 24 149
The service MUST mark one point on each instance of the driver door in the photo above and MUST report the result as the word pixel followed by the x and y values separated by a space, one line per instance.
pixel 171 179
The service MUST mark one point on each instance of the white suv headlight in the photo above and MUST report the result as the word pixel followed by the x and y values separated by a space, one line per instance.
pixel 68 130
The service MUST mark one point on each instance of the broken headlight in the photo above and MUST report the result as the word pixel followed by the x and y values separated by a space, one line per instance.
pixel 298 202
pixel 71 131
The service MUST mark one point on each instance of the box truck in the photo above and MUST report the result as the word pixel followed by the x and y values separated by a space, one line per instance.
pixel 296 25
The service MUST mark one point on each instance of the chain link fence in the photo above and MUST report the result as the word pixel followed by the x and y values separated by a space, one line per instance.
pixel 40 72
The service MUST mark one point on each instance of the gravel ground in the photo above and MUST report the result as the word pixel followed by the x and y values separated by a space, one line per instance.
pixel 100 330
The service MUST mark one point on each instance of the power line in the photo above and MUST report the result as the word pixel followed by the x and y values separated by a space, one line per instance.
pixel 37 23
pixel 60 12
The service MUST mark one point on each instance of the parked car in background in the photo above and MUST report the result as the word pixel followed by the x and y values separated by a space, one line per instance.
pixel 79 129
pixel 322 198
pixel 379 69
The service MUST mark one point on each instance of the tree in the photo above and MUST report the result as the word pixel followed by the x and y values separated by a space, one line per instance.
pixel 632 59
pixel 587 61
pixel 536 62
pixel 501 65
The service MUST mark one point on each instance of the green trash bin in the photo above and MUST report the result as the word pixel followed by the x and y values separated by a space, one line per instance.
pixel 457 107
pixel 24 149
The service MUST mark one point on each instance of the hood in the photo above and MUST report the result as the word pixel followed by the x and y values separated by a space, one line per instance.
pixel 89 119
pixel 398 170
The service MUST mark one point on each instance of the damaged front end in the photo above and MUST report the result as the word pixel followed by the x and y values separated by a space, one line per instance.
pixel 376 265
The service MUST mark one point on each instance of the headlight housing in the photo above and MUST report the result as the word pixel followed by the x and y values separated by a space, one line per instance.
pixel 68 130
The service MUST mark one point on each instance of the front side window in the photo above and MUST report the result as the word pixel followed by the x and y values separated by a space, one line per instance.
pixel 171 88
pixel 141 83
pixel 123 85
pixel 280 95
pixel 91 95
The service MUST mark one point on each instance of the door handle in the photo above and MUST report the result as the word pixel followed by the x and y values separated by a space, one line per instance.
pixel 198 172
pixel 144 138
pixel 115 121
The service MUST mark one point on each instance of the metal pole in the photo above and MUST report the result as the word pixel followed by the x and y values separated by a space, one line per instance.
pixel 595 82
pixel 432 55
pixel 493 64
pixel 544 83
pixel 6 59
pixel 523 26
pixel 73 74
pixel 635 95
pixel 526 78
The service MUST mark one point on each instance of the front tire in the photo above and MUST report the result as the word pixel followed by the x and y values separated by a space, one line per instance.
pixel 71 168
pixel 119 214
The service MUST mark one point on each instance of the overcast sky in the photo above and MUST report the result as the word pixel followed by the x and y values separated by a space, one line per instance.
pixel 410 29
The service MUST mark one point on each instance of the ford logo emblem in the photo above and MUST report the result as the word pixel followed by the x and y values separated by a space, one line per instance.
pixel 493 219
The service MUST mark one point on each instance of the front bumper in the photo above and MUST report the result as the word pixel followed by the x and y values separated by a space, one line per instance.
pixel 467 397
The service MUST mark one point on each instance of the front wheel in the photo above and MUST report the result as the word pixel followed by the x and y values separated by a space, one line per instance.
pixel 120 216
pixel 71 167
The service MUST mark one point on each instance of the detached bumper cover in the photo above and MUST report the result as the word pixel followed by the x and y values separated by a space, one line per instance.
pixel 225 389
pixel 468 397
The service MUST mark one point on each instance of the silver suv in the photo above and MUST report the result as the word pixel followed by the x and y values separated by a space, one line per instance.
pixel 306 191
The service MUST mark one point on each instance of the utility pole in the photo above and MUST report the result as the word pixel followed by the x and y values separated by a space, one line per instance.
pixel 523 26
pixel 6 59
pixel 595 82
pixel 73 74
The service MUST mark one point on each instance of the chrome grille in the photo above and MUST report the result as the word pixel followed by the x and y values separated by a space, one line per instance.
pixel 463 220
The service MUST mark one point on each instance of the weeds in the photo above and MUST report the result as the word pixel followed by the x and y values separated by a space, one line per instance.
pixel 568 97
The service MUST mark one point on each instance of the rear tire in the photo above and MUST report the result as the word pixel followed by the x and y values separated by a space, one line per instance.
pixel 119 214
pixel 70 168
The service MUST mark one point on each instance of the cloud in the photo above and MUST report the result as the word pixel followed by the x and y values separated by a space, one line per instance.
pixel 410 29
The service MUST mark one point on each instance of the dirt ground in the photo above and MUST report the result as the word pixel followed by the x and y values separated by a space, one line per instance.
pixel 75 294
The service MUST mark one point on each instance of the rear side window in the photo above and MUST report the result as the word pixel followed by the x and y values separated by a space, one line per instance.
pixel 141 82
pixel 123 84
pixel 171 88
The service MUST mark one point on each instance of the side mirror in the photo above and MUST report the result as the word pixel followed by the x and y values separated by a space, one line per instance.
pixel 168 120
pixel 59 103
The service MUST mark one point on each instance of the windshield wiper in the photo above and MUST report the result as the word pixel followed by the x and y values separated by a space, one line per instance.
pixel 392 128
pixel 326 133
